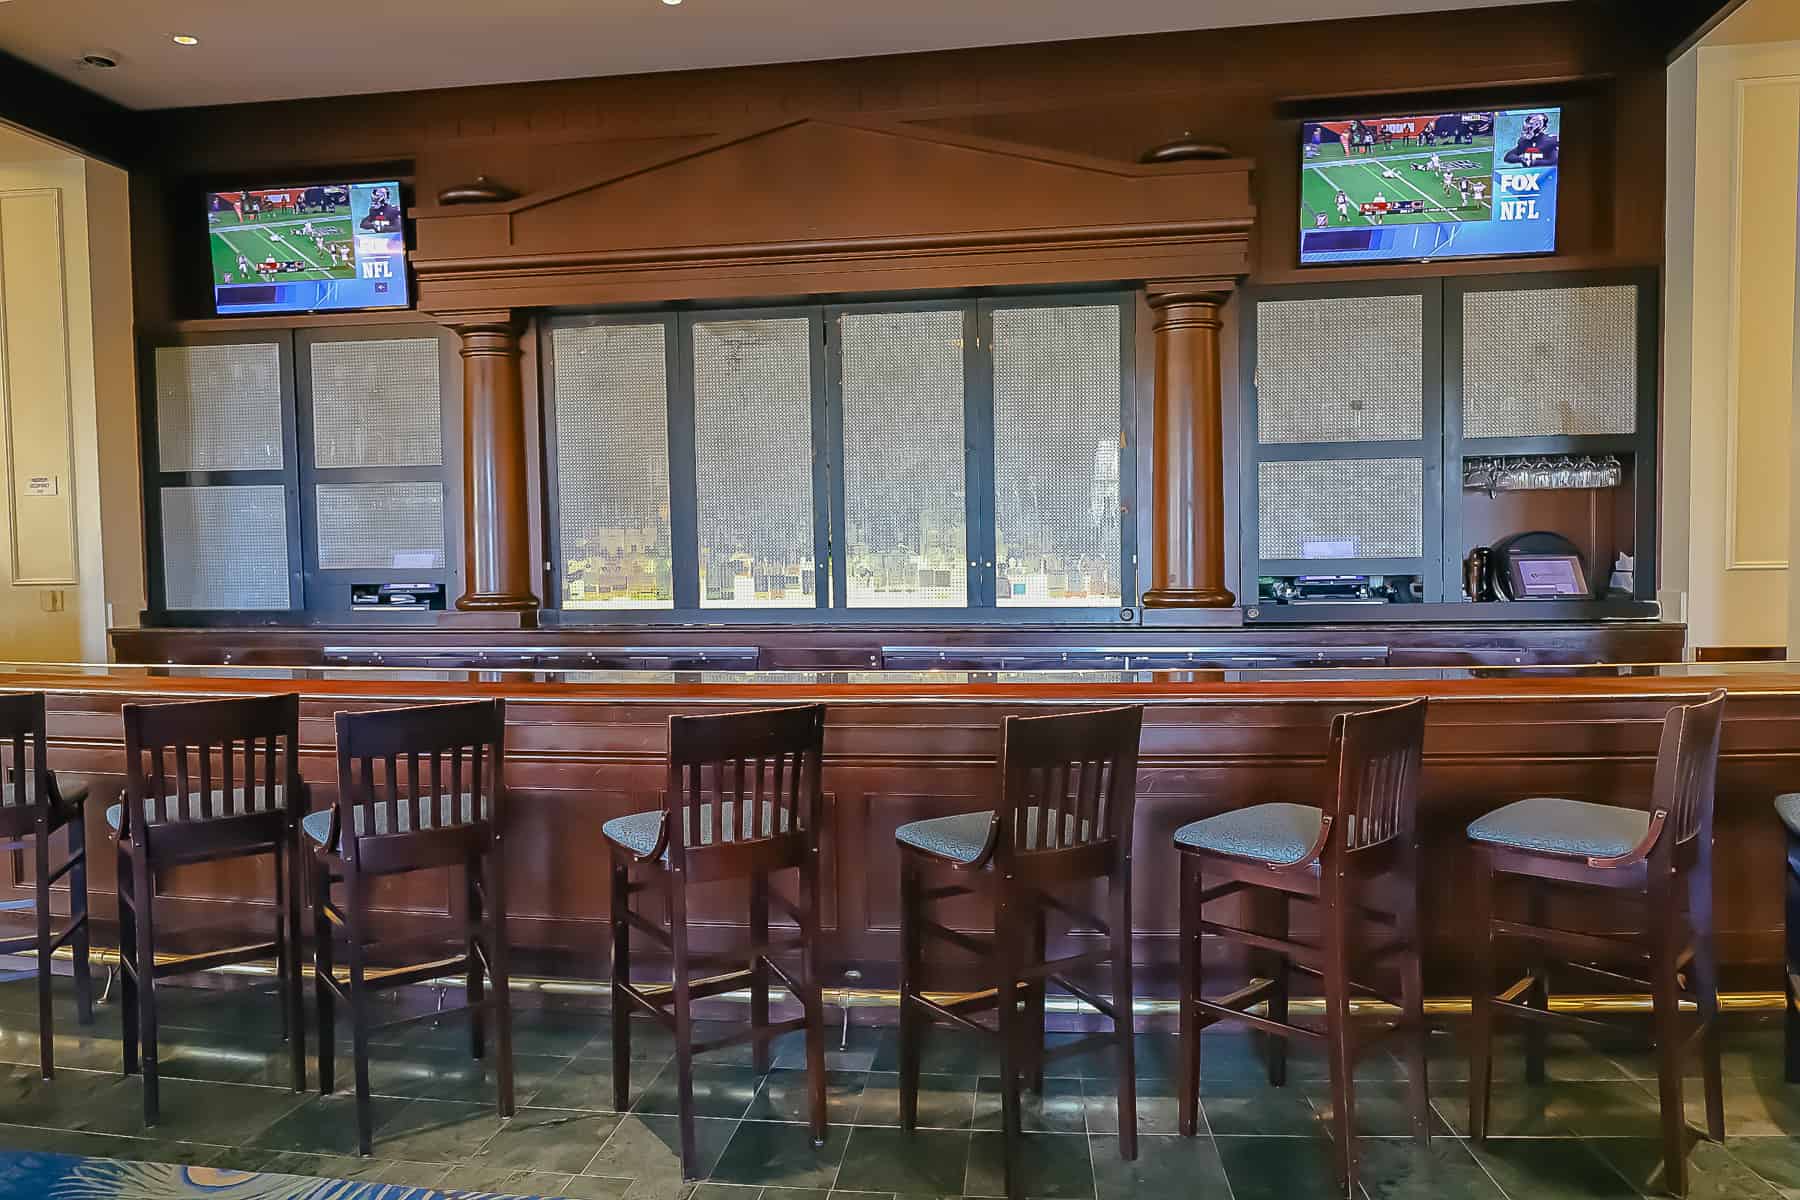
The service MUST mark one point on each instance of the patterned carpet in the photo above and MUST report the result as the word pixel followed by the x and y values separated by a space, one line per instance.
pixel 70 1177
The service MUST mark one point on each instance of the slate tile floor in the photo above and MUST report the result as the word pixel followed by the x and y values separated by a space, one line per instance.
pixel 1591 1132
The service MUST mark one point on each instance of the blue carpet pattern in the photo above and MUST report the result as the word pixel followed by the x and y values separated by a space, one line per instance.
pixel 70 1177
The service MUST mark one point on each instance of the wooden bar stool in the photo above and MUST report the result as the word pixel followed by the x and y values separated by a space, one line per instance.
pixel 1788 807
pixel 1068 790
pixel 32 808
pixel 1656 853
pixel 206 780
pixel 418 788
pixel 1356 856
pixel 742 802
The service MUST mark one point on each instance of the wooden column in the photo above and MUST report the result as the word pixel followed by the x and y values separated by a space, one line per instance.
pixel 1187 544
pixel 496 498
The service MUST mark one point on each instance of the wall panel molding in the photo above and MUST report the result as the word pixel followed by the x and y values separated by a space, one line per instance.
pixel 37 436
pixel 1757 210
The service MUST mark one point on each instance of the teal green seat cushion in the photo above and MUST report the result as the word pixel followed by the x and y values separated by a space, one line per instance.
pixel 637 832
pixel 1788 809
pixel 188 808
pixel 317 825
pixel 959 838
pixel 1280 833
pixel 1568 828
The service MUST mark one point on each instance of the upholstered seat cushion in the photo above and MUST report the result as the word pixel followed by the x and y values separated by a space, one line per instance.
pixel 961 838
pixel 73 794
pixel 188 808
pixel 317 825
pixel 1280 834
pixel 1568 828
pixel 637 832
pixel 1788 809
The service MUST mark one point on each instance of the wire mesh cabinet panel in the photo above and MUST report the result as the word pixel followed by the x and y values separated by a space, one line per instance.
pixel 608 429
pixel 1061 427
pixel 377 458
pixel 1344 436
pixel 900 429
pixel 758 425
pixel 219 451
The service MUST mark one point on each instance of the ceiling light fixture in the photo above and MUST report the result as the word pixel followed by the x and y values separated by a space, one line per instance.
pixel 671 3
pixel 184 39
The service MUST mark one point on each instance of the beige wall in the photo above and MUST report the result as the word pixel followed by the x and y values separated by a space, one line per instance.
pixel 68 456
pixel 1734 165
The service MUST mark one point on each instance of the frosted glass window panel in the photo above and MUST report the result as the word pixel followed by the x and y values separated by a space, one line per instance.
pixel 905 520
pixel 381 526
pixel 753 460
pixel 1342 508
pixel 225 547
pixel 1057 412
pixel 1340 369
pixel 218 408
pixel 612 465
pixel 1550 362
pixel 377 403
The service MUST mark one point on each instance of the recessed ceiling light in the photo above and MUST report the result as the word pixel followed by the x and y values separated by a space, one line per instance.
pixel 671 3
pixel 100 60
pixel 184 39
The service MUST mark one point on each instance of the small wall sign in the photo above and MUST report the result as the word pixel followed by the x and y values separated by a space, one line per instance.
pixel 40 485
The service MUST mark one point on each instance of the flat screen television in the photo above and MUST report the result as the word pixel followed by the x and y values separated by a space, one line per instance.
pixel 309 248
pixel 1429 185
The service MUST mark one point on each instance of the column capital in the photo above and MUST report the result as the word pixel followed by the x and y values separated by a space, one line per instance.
pixel 1174 293
pixel 474 328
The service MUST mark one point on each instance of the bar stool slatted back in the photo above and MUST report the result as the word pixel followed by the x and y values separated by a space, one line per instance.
pixel 32 808
pixel 1659 853
pixel 206 780
pixel 1068 791
pixel 419 788
pixel 1357 854
pixel 742 801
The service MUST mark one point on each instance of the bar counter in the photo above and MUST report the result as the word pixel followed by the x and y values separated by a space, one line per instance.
pixel 587 746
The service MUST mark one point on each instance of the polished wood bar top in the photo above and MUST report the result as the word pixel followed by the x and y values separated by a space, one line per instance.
pixel 1024 687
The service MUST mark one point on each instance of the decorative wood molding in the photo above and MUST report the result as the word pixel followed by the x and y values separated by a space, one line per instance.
pixel 1733 403
pixel 843 205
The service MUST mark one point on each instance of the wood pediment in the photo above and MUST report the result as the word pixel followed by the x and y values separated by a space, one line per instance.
pixel 837 205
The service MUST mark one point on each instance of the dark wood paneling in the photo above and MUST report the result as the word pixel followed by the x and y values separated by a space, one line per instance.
pixel 1110 98
pixel 894 753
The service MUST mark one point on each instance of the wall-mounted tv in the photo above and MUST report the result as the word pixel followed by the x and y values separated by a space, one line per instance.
pixel 1430 185
pixel 309 248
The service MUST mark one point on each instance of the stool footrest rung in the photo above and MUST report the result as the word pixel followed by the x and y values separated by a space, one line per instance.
pixel 208 959
pixel 1301 954
pixel 1570 942
pixel 978 946
pixel 953 1011
pixel 1220 1012
pixel 1104 1007
pixel 1552 1017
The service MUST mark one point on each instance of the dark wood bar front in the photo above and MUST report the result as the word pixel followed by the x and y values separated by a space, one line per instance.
pixel 901 747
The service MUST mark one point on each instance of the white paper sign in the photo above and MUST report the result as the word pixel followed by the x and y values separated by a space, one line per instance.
pixel 40 485
pixel 1328 548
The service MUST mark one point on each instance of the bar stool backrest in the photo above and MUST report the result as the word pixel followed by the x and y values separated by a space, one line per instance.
pixel 1375 762
pixel 741 784
pixel 202 760
pixel 1069 784
pixel 24 773
pixel 419 786
pixel 1687 768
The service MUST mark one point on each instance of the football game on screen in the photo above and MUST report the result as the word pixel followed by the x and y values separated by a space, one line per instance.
pixel 304 249
pixel 1434 185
